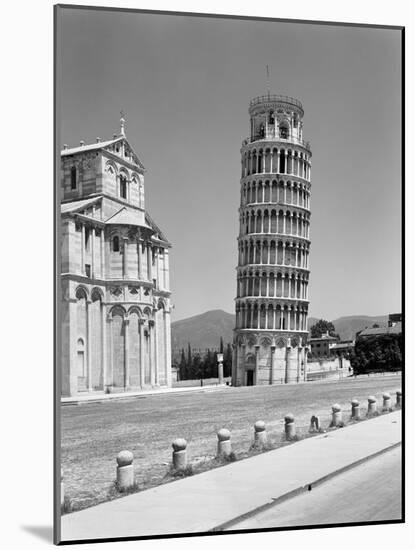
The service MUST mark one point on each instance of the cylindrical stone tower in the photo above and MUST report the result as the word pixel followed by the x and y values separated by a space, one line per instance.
pixel 273 245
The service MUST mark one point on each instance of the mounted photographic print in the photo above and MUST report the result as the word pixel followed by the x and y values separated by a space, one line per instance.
pixel 229 316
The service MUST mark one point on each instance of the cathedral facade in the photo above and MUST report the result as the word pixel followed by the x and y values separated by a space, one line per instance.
pixel 115 309
pixel 270 337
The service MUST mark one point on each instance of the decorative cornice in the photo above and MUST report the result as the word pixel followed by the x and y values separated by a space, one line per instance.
pixel 279 237
pixel 290 269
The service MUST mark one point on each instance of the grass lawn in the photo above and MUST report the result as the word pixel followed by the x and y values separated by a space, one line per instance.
pixel 94 433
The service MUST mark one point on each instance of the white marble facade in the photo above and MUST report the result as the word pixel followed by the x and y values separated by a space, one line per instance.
pixel 115 313
pixel 270 343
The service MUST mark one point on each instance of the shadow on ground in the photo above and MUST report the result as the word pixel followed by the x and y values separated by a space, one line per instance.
pixel 43 532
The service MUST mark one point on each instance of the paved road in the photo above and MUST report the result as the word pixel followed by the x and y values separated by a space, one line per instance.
pixel 369 492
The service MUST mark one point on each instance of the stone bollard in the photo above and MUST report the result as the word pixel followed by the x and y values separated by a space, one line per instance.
pixel 387 402
pixel 224 442
pixel 336 416
pixel 399 398
pixel 314 424
pixel 260 434
pixel 289 426
pixel 62 489
pixel 355 409
pixel 371 405
pixel 125 470
pixel 179 454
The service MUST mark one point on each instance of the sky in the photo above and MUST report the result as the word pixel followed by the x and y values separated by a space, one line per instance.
pixel 185 84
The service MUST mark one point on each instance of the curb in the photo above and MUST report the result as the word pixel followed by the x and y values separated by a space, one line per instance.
pixel 299 490
pixel 121 396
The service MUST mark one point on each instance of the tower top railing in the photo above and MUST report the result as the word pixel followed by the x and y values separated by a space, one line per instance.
pixel 276 98
pixel 271 135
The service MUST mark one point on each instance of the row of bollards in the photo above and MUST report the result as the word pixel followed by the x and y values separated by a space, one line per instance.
pixel 125 467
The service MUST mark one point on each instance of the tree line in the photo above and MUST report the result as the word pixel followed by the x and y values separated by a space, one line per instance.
pixel 195 365
pixel 377 354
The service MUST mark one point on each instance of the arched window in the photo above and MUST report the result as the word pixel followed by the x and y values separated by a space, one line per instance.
pixel 123 186
pixel 271 117
pixel 116 244
pixel 284 131
pixel 73 177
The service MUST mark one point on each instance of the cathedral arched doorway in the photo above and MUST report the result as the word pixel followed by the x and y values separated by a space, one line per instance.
pixel 250 370
pixel 96 340
pixel 135 348
pixel 82 332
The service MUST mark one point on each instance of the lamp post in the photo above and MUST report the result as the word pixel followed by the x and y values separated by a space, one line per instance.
pixel 219 357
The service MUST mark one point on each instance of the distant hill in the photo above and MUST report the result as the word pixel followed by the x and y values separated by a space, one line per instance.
pixel 346 327
pixel 205 330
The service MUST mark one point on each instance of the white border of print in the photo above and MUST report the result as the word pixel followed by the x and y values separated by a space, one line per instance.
pixel 27 253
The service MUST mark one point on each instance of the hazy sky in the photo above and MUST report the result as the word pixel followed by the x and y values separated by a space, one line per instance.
pixel 185 85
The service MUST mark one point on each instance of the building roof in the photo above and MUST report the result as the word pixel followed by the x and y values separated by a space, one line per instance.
pixel 103 145
pixel 90 147
pixel 125 217
pixel 323 337
pixel 155 228
pixel 343 345
pixel 74 206
pixel 378 331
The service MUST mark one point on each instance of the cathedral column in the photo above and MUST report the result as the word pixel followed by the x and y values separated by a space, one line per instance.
pixel 167 346
pixel 138 258
pixel 153 354
pixel 104 345
pixel 149 262
pixel 89 343
pixel 111 352
pixel 92 252
pixel 154 374
pixel 142 358
pixel 103 253
pixel 159 282
pixel 124 257
pixel 83 249
pixel 126 354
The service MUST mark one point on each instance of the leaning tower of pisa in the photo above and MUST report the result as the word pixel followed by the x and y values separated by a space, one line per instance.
pixel 270 345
